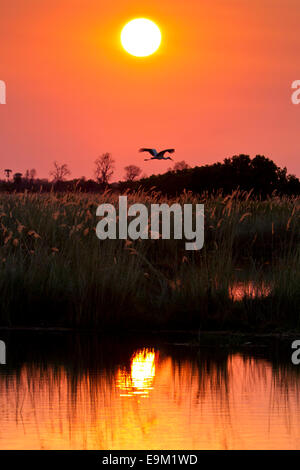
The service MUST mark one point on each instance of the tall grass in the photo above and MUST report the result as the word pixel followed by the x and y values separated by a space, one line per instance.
pixel 56 272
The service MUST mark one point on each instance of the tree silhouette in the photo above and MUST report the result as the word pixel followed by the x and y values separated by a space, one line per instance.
pixel 32 174
pixel 181 166
pixel 18 179
pixel 60 172
pixel 132 172
pixel 104 168
pixel 260 174
pixel 7 173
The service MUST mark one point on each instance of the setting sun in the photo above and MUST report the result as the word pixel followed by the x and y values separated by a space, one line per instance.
pixel 141 37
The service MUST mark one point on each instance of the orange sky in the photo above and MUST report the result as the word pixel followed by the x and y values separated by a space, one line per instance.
pixel 219 85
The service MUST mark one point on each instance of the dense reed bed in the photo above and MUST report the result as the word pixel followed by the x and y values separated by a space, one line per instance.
pixel 56 272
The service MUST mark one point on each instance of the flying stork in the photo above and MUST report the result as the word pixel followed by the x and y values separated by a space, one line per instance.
pixel 157 155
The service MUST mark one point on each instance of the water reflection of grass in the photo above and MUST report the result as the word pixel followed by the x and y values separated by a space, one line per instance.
pixel 199 398
pixel 55 272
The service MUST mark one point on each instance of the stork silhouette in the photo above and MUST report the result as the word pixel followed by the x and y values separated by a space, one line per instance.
pixel 157 155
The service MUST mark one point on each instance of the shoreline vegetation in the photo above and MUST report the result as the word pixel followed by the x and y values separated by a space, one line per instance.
pixel 55 272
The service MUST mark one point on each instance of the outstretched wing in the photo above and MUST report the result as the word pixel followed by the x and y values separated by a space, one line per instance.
pixel 151 151
pixel 161 154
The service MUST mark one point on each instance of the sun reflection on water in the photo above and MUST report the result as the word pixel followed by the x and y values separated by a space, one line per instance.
pixel 142 372
pixel 196 399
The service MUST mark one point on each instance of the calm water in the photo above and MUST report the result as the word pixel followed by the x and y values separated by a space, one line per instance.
pixel 62 392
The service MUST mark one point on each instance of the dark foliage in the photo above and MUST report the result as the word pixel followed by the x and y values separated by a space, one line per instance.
pixel 239 172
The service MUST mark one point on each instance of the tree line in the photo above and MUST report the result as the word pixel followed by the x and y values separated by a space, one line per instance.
pixel 260 174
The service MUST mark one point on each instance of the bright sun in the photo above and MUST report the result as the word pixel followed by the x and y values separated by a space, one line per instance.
pixel 140 37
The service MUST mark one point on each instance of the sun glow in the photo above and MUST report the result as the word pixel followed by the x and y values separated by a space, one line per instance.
pixel 140 379
pixel 141 37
